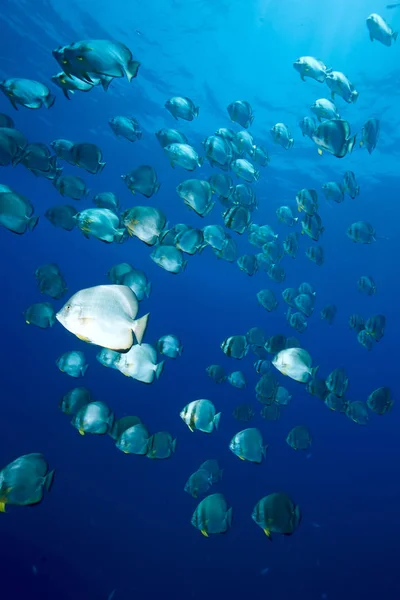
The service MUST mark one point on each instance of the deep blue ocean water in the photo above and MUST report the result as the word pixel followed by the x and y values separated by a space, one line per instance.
pixel 121 522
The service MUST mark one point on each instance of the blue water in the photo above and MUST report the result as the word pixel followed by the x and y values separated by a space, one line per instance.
pixel 113 521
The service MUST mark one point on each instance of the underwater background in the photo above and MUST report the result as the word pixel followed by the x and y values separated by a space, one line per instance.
pixel 120 522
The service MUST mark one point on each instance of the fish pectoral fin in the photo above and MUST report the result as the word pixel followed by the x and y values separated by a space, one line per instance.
pixel 2 507
pixel 204 532
pixel 81 431
pixel 83 338
pixel 191 428
pixel 268 533
pixel 320 151
pixel 241 457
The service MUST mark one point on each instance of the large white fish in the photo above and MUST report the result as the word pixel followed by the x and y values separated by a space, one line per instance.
pixel 380 30
pixel 104 315
pixel 295 363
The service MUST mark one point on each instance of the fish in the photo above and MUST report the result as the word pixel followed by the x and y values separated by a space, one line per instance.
pixel 24 480
pixel 241 112
pixel 126 127
pixel 27 92
pixel 309 66
pixel 104 315
pixel 170 345
pixel 143 180
pixel 16 213
pixel 182 108
pixel 161 445
pixel 88 157
pixel 370 134
pixel 299 438
pixel 72 363
pixel 95 418
pixel 134 440
pixel 41 314
pixel 380 30
pixel 198 483
pixel 217 373
pixel 212 515
pixel 101 223
pixel 184 156
pixel 340 85
pixel 248 445
pixel 101 57
pixel 169 258
pixel 296 363
pixel 72 186
pixel 281 135
pixel 333 136
pixel 168 136
pixel 144 222
pixel 201 415
pixel 140 363
pixel 62 216
pixel 277 513
pixel 74 400
pixel 197 195
pixel 237 379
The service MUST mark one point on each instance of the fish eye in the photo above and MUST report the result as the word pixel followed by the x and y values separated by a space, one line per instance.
pixel 79 57
pixel 64 61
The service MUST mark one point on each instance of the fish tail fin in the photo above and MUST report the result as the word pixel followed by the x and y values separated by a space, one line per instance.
pixel 314 372
pixel 394 35
pixel 200 161
pixel 221 472
pixel 256 175
pixel 17 158
pixel 49 101
pixel 119 236
pixel 157 187
pixel 291 142
pixel 197 109
pixel 147 290
pixel 139 327
pixel 33 221
pixel 268 533
pixel 139 135
pixel 132 69
pixel 48 480
pixel 101 166
pixel 53 162
pixel 159 368
pixel 105 82
pixel 264 450
pixel 350 143
pixel 84 369
pixel 216 420
pixel 173 445
pixel 251 119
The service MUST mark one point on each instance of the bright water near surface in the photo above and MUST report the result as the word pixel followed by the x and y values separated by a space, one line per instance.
pixel 119 522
